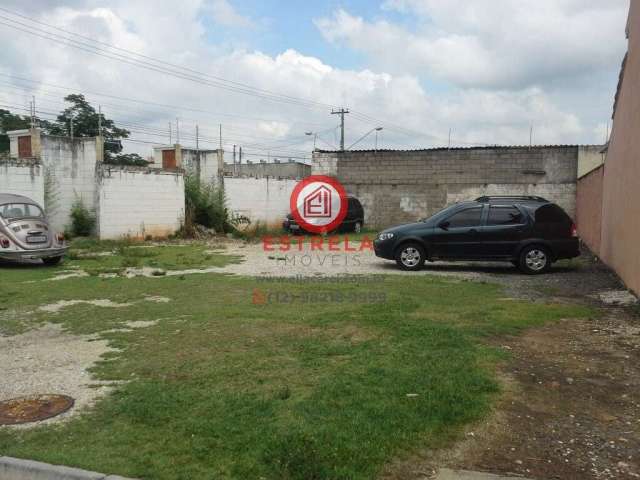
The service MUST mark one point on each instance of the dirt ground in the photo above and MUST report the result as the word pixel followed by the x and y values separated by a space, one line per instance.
pixel 571 408
pixel 571 402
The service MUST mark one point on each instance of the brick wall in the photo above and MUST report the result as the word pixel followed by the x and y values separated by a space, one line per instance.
pixel 402 186
pixel 138 203
pixel 589 209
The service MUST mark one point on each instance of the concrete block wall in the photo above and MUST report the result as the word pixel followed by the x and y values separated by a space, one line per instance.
pixel 138 203
pixel 264 200
pixel 22 178
pixel 70 174
pixel 291 170
pixel 403 186
pixel 205 163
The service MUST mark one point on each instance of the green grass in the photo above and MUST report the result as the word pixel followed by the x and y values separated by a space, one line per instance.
pixel 224 388
pixel 89 255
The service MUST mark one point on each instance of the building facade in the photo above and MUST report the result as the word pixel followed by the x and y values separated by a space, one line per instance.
pixel 404 186
pixel 620 242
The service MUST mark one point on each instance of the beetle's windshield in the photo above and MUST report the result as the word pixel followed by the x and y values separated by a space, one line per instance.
pixel 20 210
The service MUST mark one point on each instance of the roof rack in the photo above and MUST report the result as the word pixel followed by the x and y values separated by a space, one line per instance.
pixel 531 198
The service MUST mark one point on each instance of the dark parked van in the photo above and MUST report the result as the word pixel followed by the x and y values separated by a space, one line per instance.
pixel 528 231
pixel 353 222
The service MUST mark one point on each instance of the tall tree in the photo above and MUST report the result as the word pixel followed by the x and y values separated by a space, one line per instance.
pixel 8 122
pixel 85 124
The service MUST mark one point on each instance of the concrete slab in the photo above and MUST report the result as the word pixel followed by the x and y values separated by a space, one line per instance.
pixel 19 469
pixel 448 474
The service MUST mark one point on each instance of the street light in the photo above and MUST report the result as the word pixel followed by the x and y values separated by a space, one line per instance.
pixel 315 137
pixel 377 129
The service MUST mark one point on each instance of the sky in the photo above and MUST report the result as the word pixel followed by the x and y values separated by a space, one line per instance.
pixel 266 72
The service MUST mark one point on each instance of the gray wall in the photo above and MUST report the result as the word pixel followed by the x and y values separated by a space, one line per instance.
pixel 293 170
pixel 403 186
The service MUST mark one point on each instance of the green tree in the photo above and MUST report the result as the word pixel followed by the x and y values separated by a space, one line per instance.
pixel 8 122
pixel 85 124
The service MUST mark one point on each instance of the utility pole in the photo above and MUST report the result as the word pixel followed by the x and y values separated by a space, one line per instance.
pixel 33 111
pixel 240 160
pixel 100 120
pixel 221 160
pixel 177 131
pixel 235 169
pixel 198 164
pixel 341 112
pixel 531 136
pixel 170 139
pixel 315 138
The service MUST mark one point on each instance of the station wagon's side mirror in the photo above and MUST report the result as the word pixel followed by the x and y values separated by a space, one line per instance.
pixel 444 225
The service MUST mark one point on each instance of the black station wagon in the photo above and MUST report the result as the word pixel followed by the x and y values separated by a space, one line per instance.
pixel 353 221
pixel 528 231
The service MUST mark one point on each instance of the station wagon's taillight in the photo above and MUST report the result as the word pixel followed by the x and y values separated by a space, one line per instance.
pixel 4 242
pixel 574 230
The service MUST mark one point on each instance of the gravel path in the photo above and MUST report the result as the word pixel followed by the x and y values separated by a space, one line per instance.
pixel 48 360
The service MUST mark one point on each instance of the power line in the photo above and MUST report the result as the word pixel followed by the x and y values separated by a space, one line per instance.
pixel 151 63
pixel 199 77
pixel 146 102
pixel 155 64
pixel 160 132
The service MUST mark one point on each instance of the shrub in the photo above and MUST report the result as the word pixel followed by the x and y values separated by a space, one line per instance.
pixel 206 205
pixel 83 221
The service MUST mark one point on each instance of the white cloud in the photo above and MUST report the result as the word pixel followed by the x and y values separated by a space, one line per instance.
pixel 225 14
pixel 489 43
pixel 396 95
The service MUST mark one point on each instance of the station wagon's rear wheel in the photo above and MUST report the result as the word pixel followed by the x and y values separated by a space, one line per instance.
pixel 410 256
pixel 52 261
pixel 534 259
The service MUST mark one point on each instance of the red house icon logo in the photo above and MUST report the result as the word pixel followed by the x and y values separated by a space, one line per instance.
pixel 317 204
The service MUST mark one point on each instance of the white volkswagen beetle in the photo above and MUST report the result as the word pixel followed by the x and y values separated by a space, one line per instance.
pixel 25 233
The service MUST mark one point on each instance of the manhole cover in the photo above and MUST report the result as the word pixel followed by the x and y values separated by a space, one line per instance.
pixel 33 408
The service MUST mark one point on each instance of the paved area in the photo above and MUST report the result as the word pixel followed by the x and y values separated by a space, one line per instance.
pixel 448 474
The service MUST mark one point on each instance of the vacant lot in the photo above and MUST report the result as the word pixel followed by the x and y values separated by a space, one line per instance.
pixel 228 376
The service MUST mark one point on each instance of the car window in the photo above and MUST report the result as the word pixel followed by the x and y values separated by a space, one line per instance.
pixel 551 213
pixel 504 216
pixel 466 218
pixel 353 206
pixel 19 210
